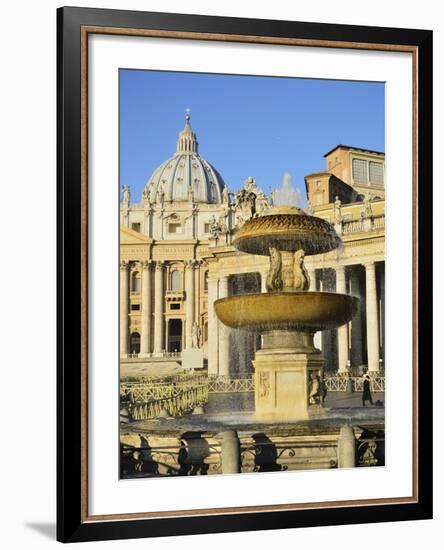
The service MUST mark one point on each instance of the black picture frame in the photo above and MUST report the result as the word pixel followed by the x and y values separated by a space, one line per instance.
pixel 73 524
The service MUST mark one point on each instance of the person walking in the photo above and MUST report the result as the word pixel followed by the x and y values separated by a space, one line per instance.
pixel 366 391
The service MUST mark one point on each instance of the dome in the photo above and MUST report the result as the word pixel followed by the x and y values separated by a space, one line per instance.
pixel 186 175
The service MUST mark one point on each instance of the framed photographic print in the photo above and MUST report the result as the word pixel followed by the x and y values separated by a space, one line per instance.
pixel 244 289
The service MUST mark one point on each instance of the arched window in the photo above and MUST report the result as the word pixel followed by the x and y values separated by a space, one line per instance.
pixel 135 282
pixel 175 280
pixel 206 281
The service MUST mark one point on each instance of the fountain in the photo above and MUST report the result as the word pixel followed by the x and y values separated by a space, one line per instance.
pixel 288 367
pixel 289 428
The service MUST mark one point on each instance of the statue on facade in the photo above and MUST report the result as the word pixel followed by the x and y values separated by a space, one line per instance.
pixel 250 184
pixel 245 205
pixel 262 204
pixel 126 195
pixel 337 214
pixel 225 195
pixel 309 209
pixel 160 195
pixel 223 229
pixel 367 210
pixel 214 227
pixel 250 202
pixel 146 197
pixel 190 194
pixel 195 335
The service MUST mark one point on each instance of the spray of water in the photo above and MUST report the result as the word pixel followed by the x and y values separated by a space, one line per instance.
pixel 287 195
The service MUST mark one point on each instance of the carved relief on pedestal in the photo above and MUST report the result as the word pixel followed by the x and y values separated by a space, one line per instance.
pixel 264 384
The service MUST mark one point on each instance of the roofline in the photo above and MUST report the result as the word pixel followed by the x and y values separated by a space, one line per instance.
pixel 354 149
pixel 323 173
pixel 330 175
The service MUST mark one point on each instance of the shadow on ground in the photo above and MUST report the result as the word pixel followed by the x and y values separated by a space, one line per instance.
pixel 46 529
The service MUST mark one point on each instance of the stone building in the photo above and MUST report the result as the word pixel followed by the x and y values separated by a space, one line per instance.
pixel 177 258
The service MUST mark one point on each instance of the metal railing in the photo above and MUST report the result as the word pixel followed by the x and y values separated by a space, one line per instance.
pixel 155 388
pixel 167 354
pixel 176 395
pixel 180 394
pixel 175 405
pixel 342 384
pixel 227 384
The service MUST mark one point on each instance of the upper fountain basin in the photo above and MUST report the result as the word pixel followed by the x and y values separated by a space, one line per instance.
pixel 302 311
pixel 289 229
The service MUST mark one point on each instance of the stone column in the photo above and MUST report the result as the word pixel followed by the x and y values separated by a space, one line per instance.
pixel 346 447
pixel 372 319
pixel 147 220
pixel 356 323
pixel 264 282
pixel 213 351
pixel 224 334
pixel 312 275
pixel 189 289
pixel 230 452
pixel 167 333
pixel 145 337
pixel 382 316
pixel 323 334
pixel 197 292
pixel 343 330
pixel 317 339
pixel 124 302
pixel 158 309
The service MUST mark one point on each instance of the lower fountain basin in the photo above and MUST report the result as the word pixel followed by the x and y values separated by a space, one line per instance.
pixel 302 311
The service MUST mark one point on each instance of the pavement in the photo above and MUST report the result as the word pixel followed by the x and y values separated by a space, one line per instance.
pixel 341 400
pixel 244 402
pixel 235 410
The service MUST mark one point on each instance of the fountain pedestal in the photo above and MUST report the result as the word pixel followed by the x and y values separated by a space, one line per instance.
pixel 286 370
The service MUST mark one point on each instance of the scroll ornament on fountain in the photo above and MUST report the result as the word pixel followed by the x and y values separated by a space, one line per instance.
pixel 288 367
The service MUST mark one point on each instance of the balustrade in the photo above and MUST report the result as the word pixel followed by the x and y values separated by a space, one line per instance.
pixel 358 226
pixel 254 454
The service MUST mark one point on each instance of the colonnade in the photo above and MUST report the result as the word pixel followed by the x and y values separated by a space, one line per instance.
pixel 350 345
pixel 153 332
pixel 350 336
pixel 218 333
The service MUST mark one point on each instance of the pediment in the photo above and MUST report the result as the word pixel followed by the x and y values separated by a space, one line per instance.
pixel 129 236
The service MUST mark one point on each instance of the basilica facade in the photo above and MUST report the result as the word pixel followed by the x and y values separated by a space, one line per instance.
pixel 177 258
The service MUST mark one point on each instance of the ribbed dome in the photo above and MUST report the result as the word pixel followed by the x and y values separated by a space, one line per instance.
pixel 186 175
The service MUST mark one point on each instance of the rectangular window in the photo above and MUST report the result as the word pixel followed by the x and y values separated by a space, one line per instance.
pixel 135 227
pixel 207 228
pixel 376 172
pixel 135 307
pixel 359 170
pixel 174 228
pixel 174 306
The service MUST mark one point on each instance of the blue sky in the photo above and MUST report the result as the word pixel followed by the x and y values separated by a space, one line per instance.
pixel 246 126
